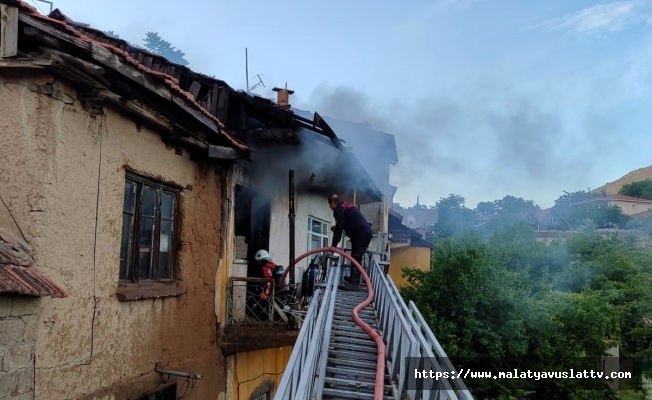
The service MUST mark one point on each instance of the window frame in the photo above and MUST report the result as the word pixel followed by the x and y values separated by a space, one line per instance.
pixel 310 233
pixel 131 286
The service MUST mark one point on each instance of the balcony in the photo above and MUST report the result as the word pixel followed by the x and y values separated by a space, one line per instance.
pixel 255 322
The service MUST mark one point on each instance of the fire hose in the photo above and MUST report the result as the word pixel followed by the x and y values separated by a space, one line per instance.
pixel 380 361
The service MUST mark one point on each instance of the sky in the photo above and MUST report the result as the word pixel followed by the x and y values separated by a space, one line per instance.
pixel 486 98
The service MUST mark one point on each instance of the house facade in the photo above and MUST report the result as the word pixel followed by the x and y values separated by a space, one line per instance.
pixel 629 205
pixel 298 159
pixel 141 189
pixel 107 176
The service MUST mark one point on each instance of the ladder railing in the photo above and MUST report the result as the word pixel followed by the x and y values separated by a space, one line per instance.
pixel 410 346
pixel 298 380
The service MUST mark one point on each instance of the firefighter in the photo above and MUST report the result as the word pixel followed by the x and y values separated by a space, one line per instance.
pixel 266 268
pixel 349 219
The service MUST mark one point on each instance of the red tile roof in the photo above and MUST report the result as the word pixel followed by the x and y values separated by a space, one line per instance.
pixel 616 197
pixel 17 272
pixel 169 80
pixel 620 197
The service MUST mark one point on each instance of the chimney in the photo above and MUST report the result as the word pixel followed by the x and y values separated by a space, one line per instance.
pixel 283 97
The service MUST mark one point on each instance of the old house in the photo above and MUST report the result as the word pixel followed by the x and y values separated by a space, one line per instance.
pixel 629 205
pixel 137 190
pixel 115 164
pixel 279 204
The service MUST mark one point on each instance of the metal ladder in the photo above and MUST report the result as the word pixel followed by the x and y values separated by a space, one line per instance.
pixel 334 358
pixel 352 355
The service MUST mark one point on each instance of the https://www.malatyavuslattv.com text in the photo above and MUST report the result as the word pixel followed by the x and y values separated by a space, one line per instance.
pixel 516 374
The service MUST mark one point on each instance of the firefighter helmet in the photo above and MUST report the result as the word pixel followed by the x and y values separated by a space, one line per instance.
pixel 262 255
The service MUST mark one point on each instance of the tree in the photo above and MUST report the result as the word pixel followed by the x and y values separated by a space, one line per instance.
pixel 508 205
pixel 453 216
pixel 156 44
pixel 515 205
pixel 112 34
pixel 640 189
pixel 479 297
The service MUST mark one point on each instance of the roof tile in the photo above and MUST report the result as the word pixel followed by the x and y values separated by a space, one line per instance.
pixel 17 274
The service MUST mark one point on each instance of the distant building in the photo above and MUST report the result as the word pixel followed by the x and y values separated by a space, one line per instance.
pixel 418 218
pixel 550 219
pixel 409 248
pixel 629 205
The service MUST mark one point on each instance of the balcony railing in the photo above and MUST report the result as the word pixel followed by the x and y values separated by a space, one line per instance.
pixel 246 306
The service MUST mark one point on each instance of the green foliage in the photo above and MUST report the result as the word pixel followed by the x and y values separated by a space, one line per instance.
pixel 508 205
pixel 640 189
pixel 453 216
pixel 156 44
pixel 503 300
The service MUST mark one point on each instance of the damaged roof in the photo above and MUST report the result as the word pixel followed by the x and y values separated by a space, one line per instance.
pixel 17 272
pixel 196 94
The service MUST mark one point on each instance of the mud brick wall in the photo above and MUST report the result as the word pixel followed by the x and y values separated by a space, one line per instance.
pixel 18 325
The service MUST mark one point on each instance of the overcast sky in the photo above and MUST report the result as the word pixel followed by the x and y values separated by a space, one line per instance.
pixel 485 97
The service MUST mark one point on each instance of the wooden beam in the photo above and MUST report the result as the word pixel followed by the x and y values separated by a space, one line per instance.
pixel 8 31
pixel 140 110
pixel 66 37
pixel 25 63
pixel 212 100
pixel 225 153
pixel 194 88
pixel 222 110
pixel 78 63
pixel 41 38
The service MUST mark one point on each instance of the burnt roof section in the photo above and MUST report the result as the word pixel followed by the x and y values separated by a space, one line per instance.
pixel 204 99
pixel 358 176
pixel 17 272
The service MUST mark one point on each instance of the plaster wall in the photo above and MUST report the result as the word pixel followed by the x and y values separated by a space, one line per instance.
pixel 18 322
pixel 256 372
pixel 62 178
pixel 306 205
pixel 630 208
pixel 404 256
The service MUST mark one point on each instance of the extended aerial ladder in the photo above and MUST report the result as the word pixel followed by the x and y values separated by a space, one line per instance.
pixel 366 344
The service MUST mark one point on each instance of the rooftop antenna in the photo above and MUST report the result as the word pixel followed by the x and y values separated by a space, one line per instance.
pixel 43 1
pixel 260 80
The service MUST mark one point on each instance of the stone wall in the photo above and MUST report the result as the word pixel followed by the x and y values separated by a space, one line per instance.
pixel 18 326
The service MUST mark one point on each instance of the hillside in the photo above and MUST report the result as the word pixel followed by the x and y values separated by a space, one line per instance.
pixel 640 174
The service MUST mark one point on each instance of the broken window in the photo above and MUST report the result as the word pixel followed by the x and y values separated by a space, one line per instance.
pixel 149 220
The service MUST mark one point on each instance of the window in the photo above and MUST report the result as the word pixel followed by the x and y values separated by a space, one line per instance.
pixel 149 229
pixel 317 233
pixel 264 396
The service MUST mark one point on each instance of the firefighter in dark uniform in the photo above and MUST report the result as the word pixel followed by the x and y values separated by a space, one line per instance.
pixel 349 219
